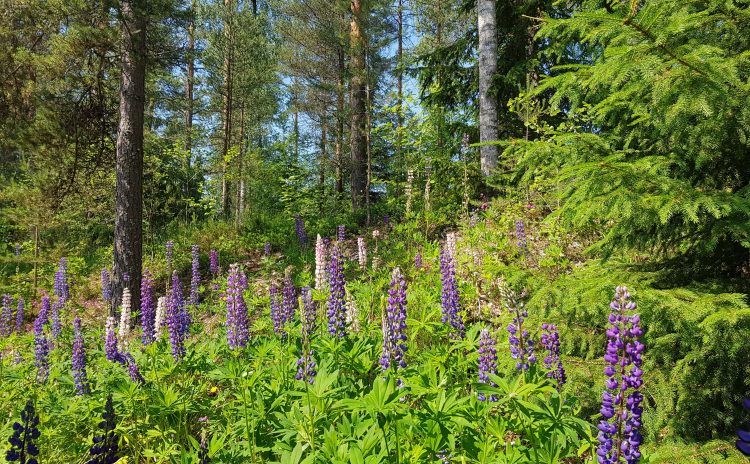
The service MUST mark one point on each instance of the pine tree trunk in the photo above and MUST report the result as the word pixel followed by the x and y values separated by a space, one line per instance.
pixel 487 69
pixel 129 158
pixel 227 113
pixel 358 107
pixel 240 177
pixel 340 124
pixel 400 76
pixel 322 161
pixel 190 81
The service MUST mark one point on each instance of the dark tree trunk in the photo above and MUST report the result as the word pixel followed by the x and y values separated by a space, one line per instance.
pixel 400 75
pixel 190 81
pixel 322 162
pixel 358 107
pixel 227 111
pixel 340 124
pixel 129 164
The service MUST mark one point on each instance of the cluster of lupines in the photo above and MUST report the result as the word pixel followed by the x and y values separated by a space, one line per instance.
pixel 362 252
pixel 521 235
pixel 450 297
pixel 299 225
pixel 80 376
pixel 22 447
pixel 105 448
pixel 487 362
pixel 394 324
pixel 125 313
pixel 619 431
pixel 113 354
pixel 320 263
pixel 341 233
pixel 306 367
pixel 519 340
pixel 195 280
pixel 550 341
pixel 6 317
pixel 148 308
pixel 277 312
pixel 237 324
pixel 41 344
pixel 743 442
pixel 178 319
pixel 337 296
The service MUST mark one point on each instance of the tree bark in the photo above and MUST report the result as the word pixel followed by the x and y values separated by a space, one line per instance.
pixel 340 124
pixel 487 69
pixel 240 177
pixel 400 75
pixel 322 161
pixel 190 82
pixel 227 113
pixel 358 107
pixel 128 240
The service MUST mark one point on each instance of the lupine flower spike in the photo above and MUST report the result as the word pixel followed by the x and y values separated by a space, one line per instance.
pixel 450 296
pixel 306 366
pixel 110 341
pixel 551 343
pixel 394 324
pixel 6 317
pixel 177 322
pixel 125 312
pixel 290 303
pixel 213 267
pixel 521 236
pixel 195 281
pixel 619 431
pixel 79 360
pixel 23 449
pixel 337 297
pixel 320 263
pixel 521 344
pixel 341 233
pixel 106 285
pixel 362 252
pixel 299 225
pixel 148 309
pixel 418 261
pixel 487 362
pixel 743 442
pixel 105 448
pixel 277 313
pixel 237 329
pixel 267 249
pixel 161 308
pixel 41 346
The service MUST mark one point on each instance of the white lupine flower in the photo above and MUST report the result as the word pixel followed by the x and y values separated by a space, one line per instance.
pixel 320 264
pixel 362 252
pixel 450 244
pixel 352 314
pixel 125 312
pixel 161 306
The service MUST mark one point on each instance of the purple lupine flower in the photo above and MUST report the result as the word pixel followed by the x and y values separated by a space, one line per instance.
pixel 394 324
pixel 450 296
pixel 619 431
pixel 148 308
pixel 386 220
pixel 418 261
pixel 61 286
pixel 41 349
pixel 105 447
pixel 110 341
pixel 550 340
pixel 56 326
pixel 6 317
pixel 80 376
pixel 519 340
pixel 487 362
pixel 44 310
pixel 213 263
pixel 22 447
pixel 341 233
pixel 169 247
pixel 106 285
pixel 306 366
pixel 19 316
pixel 267 249
pixel 290 302
pixel 337 297
pixel 195 281
pixel 743 442
pixel 299 225
pixel 176 321
pixel 237 325
pixel 277 313
pixel 521 235
pixel 133 371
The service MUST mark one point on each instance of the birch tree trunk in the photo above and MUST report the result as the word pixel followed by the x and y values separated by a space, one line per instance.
pixel 487 69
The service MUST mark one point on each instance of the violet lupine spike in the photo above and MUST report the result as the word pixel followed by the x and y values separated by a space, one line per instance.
pixel 519 340
pixel 619 431
pixel 450 295
pixel 61 285
pixel 306 366
pixel 277 313
pixel 176 319
pixel 550 341
pixel 148 308
pixel 418 261
pixel 237 323
pixel 44 309
pixel 267 249
pixel 19 316
pixel 320 263
pixel 521 235
pixel 290 302
pixel 337 297
pixel 106 285
pixel 133 371
pixel 487 362
pixel 110 341
pixel 80 377
pixel 394 324
pixel 213 263
pixel 299 225
pixel 41 349
pixel 362 252
pixel 195 281
pixel 341 233
pixel 56 326
pixel 6 317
